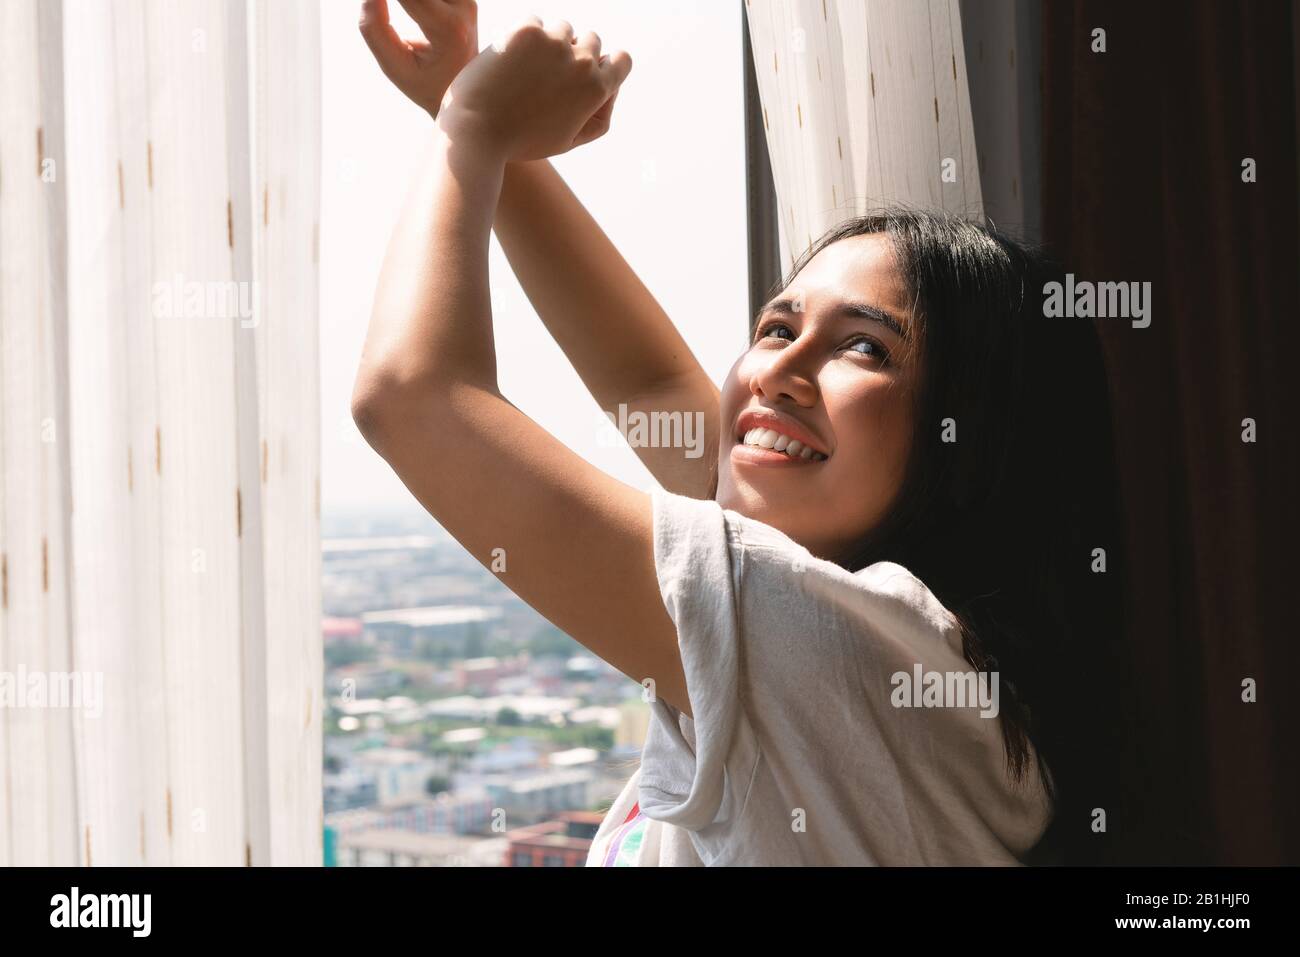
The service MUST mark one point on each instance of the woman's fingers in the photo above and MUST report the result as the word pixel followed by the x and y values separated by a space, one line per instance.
pixel 614 68
pixel 415 9
pixel 433 17
pixel 528 23
pixel 589 43
pixel 619 65
pixel 561 30
pixel 391 52
pixel 598 125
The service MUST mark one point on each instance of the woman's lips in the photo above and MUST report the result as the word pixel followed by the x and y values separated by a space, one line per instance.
pixel 742 454
pixel 762 420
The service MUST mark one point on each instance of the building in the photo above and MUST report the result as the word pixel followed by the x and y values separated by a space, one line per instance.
pixel 459 813
pixel 561 842
pixel 517 755
pixel 462 812
pixel 401 629
pixel 602 716
pixel 400 775
pixel 398 848
pixel 528 707
pixel 367 679
pixel 481 675
pixel 535 797
pixel 573 758
pixel 342 630
pixel 634 723
pixel 349 788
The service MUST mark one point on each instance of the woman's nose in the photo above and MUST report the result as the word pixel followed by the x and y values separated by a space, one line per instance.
pixel 786 374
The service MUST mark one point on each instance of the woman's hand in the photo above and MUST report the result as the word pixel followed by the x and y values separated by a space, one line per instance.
pixel 423 69
pixel 538 93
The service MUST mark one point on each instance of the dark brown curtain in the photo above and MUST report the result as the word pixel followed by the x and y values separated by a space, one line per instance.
pixel 1142 181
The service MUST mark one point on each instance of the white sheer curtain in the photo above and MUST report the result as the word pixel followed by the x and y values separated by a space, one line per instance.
pixel 160 526
pixel 865 102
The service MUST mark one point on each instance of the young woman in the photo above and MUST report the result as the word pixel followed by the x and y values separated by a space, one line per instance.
pixel 872 629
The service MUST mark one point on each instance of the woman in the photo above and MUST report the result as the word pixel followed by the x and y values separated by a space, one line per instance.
pixel 871 626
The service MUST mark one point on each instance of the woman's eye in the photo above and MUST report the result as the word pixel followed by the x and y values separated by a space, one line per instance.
pixel 766 331
pixel 864 346
pixel 871 348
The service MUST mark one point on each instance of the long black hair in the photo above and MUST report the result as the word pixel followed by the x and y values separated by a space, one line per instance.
pixel 1008 511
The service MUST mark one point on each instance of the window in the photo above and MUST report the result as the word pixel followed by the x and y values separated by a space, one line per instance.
pixel 667 184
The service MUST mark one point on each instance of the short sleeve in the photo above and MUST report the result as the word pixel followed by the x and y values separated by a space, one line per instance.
pixel 795 670
pixel 695 773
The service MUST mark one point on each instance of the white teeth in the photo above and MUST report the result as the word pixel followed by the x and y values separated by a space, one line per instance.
pixel 771 439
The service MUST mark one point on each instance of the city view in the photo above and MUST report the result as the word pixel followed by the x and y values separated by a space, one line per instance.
pixel 462 728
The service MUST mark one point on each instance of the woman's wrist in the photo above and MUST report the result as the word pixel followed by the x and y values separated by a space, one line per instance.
pixel 465 132
pixel 469 167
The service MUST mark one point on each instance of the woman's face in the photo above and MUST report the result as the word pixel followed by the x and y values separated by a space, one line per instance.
pixel 825 371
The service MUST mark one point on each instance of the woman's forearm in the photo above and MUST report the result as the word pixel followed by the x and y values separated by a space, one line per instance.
pixel 432 320
pixel 618 338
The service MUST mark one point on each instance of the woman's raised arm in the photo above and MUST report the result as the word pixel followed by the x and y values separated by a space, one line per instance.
pixel 620 341
pixel 570 540
pixel 622 344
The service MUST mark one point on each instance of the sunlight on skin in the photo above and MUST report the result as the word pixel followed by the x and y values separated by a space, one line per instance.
pixel 816 367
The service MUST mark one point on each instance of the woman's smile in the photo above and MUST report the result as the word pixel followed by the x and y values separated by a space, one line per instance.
pixel 744 453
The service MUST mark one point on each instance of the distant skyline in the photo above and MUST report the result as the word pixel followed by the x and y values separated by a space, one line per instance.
pixel 667 183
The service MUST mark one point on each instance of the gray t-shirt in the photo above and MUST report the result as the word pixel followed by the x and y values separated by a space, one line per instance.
pixel 829 723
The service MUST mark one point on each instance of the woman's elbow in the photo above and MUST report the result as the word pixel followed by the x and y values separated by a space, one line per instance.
pixel 377 396
pixel 390 398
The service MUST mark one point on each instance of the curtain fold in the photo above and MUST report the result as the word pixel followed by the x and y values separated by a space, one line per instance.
pixel 1003 45
pixel 190 423
pixel 38 809
pixel 1144 147
pixel 863 104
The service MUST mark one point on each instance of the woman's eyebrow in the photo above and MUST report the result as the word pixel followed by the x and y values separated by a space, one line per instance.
pixel 786 307
pixel 875 314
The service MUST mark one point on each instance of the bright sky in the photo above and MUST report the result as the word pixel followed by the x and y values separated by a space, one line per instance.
pixel 667 183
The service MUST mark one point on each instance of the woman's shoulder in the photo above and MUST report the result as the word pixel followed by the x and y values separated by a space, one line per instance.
pixel 771 554
pixel 773 573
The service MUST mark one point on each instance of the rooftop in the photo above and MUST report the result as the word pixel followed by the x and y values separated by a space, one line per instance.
pixel 431 616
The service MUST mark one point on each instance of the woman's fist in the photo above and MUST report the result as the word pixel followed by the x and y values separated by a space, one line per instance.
pixel 423 69
pixel 539 92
